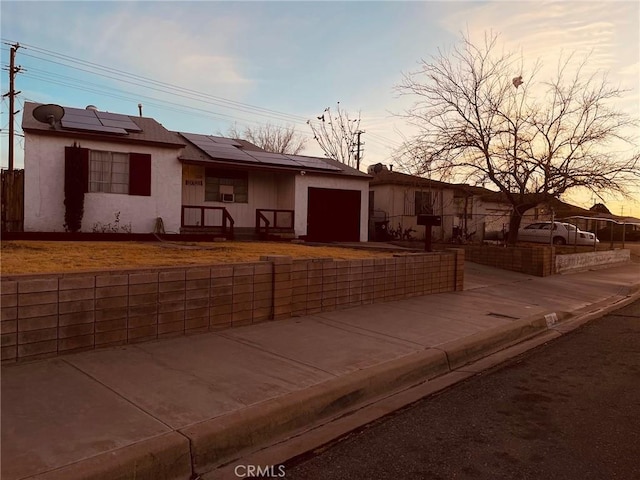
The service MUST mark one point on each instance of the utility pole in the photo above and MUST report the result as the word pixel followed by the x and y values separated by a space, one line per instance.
pixel 12 96
pixel 359 146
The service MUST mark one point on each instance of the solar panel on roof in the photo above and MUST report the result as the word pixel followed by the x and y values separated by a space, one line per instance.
pixel 224 152
pixel 221 148
pixel 73 117
pixel 229 141
pixel 274 159
pixel 109 115
pixel 117 120
pixel 91 128
pixel 79 111
pixel 220 151
pixel 195 137
pixel 95 121
pixel 311 162
pixel 127 125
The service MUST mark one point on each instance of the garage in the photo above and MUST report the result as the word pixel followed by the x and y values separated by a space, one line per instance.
pixel 333 215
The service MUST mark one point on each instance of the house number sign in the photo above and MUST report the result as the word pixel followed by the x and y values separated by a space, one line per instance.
pixel 193 182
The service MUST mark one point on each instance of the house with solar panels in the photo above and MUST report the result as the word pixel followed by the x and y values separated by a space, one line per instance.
pixel 145 176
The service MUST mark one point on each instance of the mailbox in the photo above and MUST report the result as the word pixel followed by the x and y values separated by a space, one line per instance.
pixel 430 220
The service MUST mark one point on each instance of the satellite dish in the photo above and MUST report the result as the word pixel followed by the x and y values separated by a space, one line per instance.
pixel 50 113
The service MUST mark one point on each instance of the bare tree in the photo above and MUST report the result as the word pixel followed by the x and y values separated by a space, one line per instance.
pixel 271 138
pixel 485 120
pixel 337 134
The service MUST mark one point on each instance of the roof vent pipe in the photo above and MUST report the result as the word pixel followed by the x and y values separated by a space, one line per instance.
pixel 140 109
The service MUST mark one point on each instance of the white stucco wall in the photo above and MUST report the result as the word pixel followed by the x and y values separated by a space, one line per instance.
pixel 267 190
pixel 44 188
pixel 495 217
pixel 302 184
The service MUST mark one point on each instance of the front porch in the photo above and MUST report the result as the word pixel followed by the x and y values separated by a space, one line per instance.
pixel 237 204
pixel 270 224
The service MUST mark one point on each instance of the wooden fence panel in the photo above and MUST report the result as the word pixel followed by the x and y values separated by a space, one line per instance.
pixel 12 200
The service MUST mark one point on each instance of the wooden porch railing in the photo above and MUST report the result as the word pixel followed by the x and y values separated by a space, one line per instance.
pixel 226 223
pixel 281 220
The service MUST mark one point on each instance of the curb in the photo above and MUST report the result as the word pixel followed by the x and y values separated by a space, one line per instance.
pixel 465 350
pixel 166 457
pixel 222 440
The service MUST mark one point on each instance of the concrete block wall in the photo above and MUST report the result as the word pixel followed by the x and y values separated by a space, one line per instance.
pixel 51 314
pixel 322 285
pixel 575 262
pixel 538 260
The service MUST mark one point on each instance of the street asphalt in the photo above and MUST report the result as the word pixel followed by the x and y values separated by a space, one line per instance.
pixel 181 407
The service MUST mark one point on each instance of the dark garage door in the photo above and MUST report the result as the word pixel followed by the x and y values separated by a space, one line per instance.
pixel 333 215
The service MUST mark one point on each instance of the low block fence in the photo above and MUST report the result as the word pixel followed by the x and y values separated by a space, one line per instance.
pixel 537 260
pixel 542 260
pixel 575 262
pixel 49 314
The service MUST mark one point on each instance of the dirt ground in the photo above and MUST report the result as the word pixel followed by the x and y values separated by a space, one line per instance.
pixel 52 257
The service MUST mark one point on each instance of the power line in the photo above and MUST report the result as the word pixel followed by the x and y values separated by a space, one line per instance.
pixel 120 76
pixel 116 74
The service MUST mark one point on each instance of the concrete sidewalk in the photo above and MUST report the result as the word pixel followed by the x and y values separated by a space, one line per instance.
pixel 180 407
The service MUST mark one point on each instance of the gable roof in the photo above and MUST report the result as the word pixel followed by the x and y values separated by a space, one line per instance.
pixel 150 133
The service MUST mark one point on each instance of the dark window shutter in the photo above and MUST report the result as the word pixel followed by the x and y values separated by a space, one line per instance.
pixel 81 155
pixel 140 174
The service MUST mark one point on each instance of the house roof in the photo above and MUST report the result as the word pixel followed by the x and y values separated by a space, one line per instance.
pixel 226 152
pixel 389 177
pixel 473 189
pixel 237 153
pixel 562 209
pixel 151 132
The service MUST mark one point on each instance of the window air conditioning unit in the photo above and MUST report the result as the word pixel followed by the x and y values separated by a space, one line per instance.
pixel 226 197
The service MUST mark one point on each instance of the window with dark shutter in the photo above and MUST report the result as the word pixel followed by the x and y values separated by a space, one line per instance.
pixel 80 155
pixel 140 174
pixel 117 172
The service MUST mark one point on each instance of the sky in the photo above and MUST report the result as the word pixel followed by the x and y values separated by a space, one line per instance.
pixel 206 66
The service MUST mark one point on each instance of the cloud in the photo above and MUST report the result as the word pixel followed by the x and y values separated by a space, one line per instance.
pixel 608 31
pixel 193 47
pixel 171 50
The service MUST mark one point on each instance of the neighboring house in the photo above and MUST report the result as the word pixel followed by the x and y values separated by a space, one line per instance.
pixel 480 212
pixel 474 213
pixel 396 199
pixel 195 183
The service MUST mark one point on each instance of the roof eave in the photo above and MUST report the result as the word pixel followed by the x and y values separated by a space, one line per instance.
pixel 90 136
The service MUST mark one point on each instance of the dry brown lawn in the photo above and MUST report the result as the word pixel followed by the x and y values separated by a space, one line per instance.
pixel 53 257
